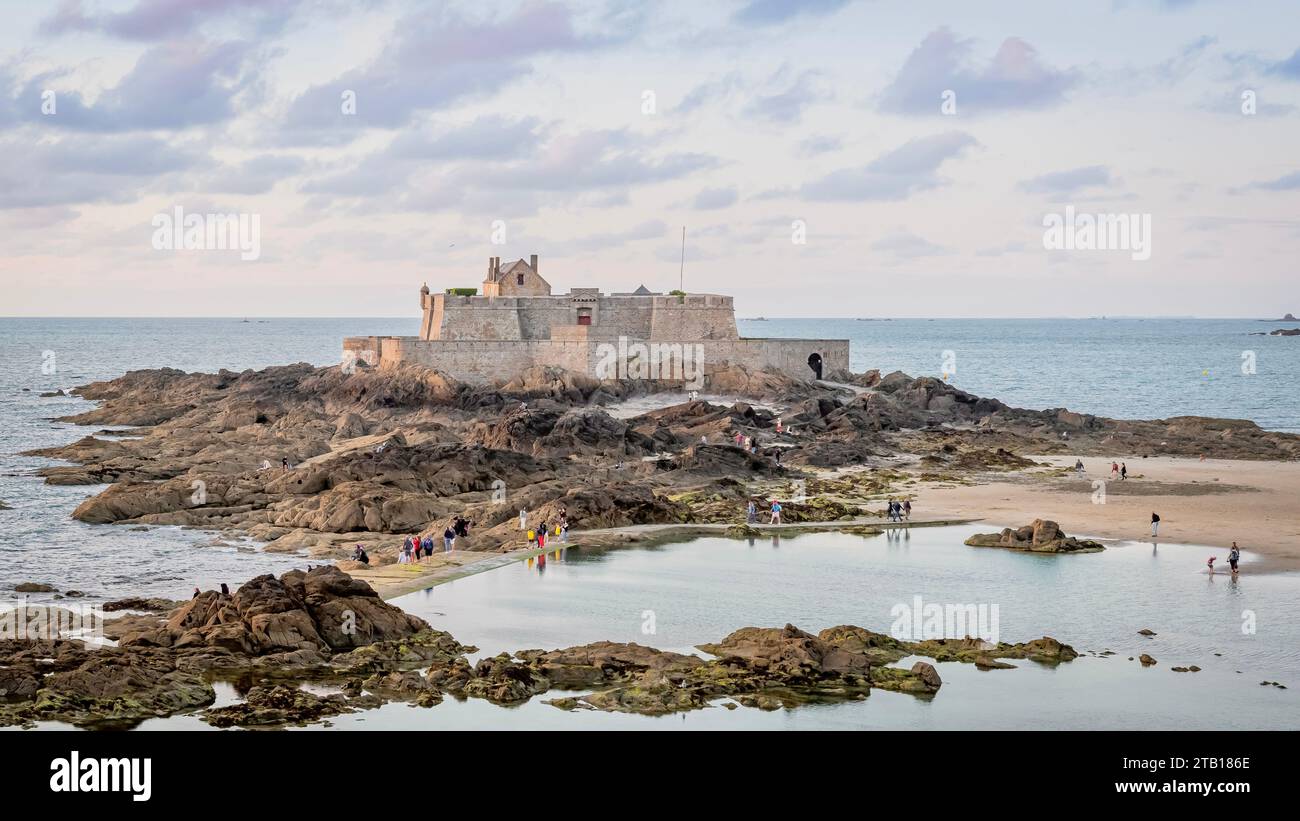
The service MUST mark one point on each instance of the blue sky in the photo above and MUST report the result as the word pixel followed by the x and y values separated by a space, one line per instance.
pixel 805 145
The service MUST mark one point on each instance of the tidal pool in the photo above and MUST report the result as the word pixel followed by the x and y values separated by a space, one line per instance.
pixel 1238 631
pixel 676 596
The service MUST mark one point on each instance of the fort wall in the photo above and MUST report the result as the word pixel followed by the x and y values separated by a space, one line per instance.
pixel 578 348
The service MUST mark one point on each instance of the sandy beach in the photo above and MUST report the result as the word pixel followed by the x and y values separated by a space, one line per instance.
pixel 1214 502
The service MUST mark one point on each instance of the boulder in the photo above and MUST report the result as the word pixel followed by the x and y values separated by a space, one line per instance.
pixel 34 587
pixel 323 610
pixel 1040 536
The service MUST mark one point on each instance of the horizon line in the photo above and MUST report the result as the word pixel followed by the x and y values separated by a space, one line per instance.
pixel 759 317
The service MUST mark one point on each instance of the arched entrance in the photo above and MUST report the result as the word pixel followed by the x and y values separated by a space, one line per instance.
pixel 815 362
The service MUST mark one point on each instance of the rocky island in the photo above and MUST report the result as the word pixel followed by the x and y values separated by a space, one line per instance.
pixel 315 461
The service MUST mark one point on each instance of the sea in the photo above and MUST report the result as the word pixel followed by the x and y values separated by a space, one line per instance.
pixel 1124 368
pixel 1117 367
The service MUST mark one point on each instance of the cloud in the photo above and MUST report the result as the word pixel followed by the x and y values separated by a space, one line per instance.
pixel 1014 79
pixel 575 165
pixel 172 86
pixel 165 19
pixel 254 176
pixel 704 94
pixel 434 58
pixel 713 198
pixel 1072 181
pixel 786 105
pixel 85 169
pixel 820 144
pixel 767 12
pixel 652 229
pixel 487 137
pixel 1288 68
pixel 1288 182
pixel 908 245
pixel 894 175
pixel 1002 250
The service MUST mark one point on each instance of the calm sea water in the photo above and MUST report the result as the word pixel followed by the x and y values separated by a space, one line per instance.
pixel 677 596
pixel 1124 368
pixel 702 590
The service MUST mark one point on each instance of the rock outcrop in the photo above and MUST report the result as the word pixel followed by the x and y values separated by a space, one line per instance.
pixel 318 625
pixel 321 611
pixel 1039 536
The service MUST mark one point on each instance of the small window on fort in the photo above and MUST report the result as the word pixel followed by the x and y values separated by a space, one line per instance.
pixel 519 278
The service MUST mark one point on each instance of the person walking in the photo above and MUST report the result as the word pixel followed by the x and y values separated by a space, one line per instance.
pixel 1114 469
pixel 564 531
pixel 1155 524
pixel 541 535
pixel 776 513
pixel 1234 556
pixel 1078 466
pixel 907 509
pixel 448 539
pixel 1123 471
pixel 751 512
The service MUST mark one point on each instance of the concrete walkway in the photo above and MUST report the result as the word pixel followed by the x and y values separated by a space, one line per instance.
pixel 393 580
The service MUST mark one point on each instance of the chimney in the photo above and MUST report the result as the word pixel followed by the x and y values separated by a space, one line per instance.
pixel 532 260
pixel 489 276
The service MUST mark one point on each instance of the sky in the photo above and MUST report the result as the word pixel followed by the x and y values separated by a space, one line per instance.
pixel 825 157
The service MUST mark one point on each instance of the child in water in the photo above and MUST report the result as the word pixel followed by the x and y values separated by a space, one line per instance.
pixel 1210 563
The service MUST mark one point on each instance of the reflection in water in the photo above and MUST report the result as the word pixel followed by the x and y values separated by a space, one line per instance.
pixel 539 561
pixel 704 589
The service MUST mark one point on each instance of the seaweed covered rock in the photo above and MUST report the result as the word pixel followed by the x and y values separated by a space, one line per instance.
pixel 324 610
pixel 1039 536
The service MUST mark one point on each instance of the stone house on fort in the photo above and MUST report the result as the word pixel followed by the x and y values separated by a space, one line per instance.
pixel 516 323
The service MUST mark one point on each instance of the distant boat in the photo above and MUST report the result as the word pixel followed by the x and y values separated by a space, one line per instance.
pixel 759 319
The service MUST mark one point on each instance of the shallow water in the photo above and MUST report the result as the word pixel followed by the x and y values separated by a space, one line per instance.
pixel 700 591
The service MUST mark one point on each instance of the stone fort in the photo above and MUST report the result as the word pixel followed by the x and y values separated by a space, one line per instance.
pixel 516 323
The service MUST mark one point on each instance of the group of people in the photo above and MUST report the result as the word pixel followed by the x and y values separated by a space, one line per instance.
pixel 774 512
pixel 1118 470
pixel 900 511
pixel 540 536
pixel 1234 556
pixel 414 547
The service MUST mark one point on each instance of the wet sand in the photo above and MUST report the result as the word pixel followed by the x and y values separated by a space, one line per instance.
pixel 1214 502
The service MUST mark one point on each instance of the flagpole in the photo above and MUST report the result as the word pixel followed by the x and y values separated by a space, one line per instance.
pixel 681 273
